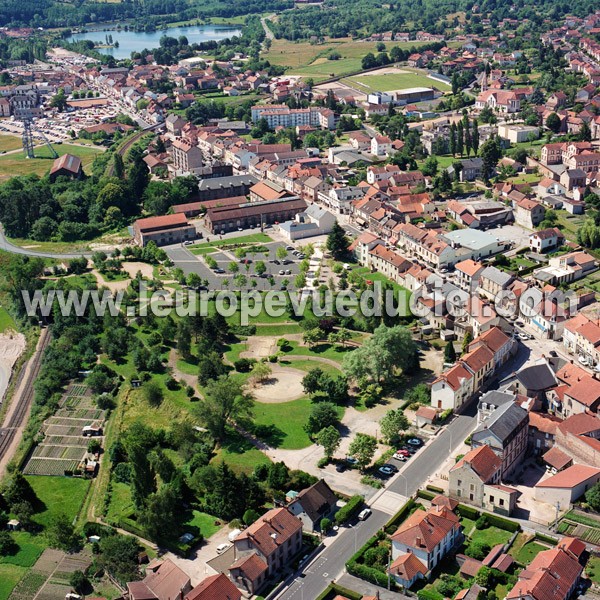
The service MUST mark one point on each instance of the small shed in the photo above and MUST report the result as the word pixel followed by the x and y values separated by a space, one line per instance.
pixel 13 525
pixel 425 415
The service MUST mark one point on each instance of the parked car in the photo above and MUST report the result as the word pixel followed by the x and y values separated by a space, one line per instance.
pixel 351 460
pixel 400 457
pixel 391 467
pixel 403 451
pixel 288 272
pixel 223 548
pixel 281 272
pixel 218 270
pixel 385 471
pixel 288 248
pixel 364 514
pixel 188 243
pixel 287 261
pixel 340 467
pixel 414 442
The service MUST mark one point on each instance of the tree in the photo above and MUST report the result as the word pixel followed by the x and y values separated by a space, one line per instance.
pixel 119 556
pixel 430 167
pixel 329 437
pixel 363 448
pixel 59 100
pixel 475 136
pixel 449 353
pixel 118 166
pixel 260 267
pixel 313 336
pixel 184 338
pixel 585 133
pixel 261 372
pixel 387 350
pixel 592 497
pixel 322 415
pixel 477 550
pixel 225 399
pixel 466 341
pixel 250 516
pixel 153 393
pixel 341 336
pixel 281 252
pixel 79 582
pixel 391 424
pixel 137 442
pixel 491 152
pixel 325 525
pixel 8 546
pixel 160 512
pixel 210 367
pixel 553 122
pixel 337 241
pixel 61 534
pixel 455 83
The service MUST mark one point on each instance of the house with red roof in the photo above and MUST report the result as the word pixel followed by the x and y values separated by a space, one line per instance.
pixel 579 438
pixel 552 575
pixel 476 479
pixel 164 580
pixel 565 487
pixel 422 541
pixel 215 587
pixel 167 229
pixel 529 213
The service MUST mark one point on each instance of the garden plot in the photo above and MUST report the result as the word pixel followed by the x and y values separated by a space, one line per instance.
pixel 64 447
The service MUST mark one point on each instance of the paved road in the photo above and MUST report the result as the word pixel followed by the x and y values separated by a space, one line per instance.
pixel 310 581
pixel 8 247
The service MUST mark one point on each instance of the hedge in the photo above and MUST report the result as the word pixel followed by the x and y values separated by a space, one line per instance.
pixel 433 488
pixel 502 523
pixel 400 515
pixel 468 512
pixel 349 509
pixel 429 595
pixel 368 574
pixel 425 495
pixel 546 538
pixel 333 590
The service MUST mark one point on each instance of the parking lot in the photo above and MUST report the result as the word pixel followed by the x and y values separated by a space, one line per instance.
pixel 185 259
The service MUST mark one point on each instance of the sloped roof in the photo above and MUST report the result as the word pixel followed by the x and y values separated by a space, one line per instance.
pixel 407 566
pixel 504 421
pixel 271 530
pixel 215 587
pixel 557 458
pixel 482 460
pixel 426 529
pixel 317 500
pixel 570 477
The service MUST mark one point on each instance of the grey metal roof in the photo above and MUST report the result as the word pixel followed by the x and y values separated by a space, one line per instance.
pixel 497 276
pixel 504 421
pixel 496 398
pixel 537 377
pixel 225 182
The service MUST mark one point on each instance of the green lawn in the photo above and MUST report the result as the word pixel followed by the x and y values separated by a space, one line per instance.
pixel 491 536
pixel 252 238
pixel 524 550
pixel 593 569
pixel 282 425
pixel 18 164
pixel 6 321
pixel 30 548
pixel 395 81
pixel 323 350
pixel 204 522
pixel 309 365
pixel 239 454
pixel 60 495
pixel 10 575
pixel 10 142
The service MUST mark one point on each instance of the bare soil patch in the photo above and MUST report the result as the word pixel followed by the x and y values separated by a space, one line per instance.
pixel 284 385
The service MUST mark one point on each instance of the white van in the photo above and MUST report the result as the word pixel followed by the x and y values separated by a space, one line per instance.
pixel 364 514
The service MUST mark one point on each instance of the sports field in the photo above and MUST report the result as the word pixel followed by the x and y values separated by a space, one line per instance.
pixel 386 82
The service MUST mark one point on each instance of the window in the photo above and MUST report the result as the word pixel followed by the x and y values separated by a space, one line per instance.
pixel 492 499
pixel 501 501
pixel 472 487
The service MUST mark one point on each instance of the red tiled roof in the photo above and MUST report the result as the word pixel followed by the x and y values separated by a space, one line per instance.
pixel 251 565
pixel 163 221
pixel 454 376
pixel 68 162
pixel 557 458
pixel 544 423
pixel 271 530
pixel 569 478
pixel 469 267
pixel 573 545
pixel 586 391
pixel 407 566
pixel 215 587
pixel 426 529
pixel 579 424
pixel 441 500
pixel 482 460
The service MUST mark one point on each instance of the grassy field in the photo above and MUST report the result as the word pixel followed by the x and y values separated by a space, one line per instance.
pixel 593 569
pixel 395 81
pixel 207 247
pixel 6 321
pixel 239 454
pixel 490 536
pixel 60 495
pixel 310 60
pixel 524 549
pixel 30 548
pixel 10 142
pixel 10 575
pixel 18 164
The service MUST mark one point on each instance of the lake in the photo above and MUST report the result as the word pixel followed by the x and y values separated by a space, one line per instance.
pixel 136 41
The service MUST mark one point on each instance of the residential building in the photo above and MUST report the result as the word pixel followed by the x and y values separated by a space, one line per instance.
pixel 429 535
pixel 453 388
pixel 313 504
pixel 471 169
pixel 529 213
pixel 215 587
pixel 476 479
pixel 493 281
pixel 505 431
pixel 566 268
pixel 546 239
pixel 274 539
pixel 578 437
pixel 468 273
pixel 553 573
pixel 164 230
pixel 186 158
pixel 163 581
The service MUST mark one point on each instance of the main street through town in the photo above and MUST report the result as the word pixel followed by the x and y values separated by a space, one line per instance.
pixel 329 564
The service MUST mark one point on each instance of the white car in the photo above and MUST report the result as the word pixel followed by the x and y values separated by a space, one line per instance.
pixel 364 514
pixel 223 548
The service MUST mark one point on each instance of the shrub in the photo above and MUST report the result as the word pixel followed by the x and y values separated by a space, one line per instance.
pixel 244 330
pixel 243 365
pixel 273 358
pixel 478 550
pixel 482 523
pixel 425 495
pixel 172 384
pixel 433 488
pixel 351 508
pixel 369 574
pixel 372 481
pixel 326 525
pixel 500 523
pixel 468 512
pixel 429 595
pixel 323 462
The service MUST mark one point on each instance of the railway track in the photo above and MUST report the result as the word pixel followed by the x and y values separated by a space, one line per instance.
pixel 125 147
pixel 24 400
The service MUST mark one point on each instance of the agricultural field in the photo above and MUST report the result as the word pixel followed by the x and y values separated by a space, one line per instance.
pixel 310 60
pixel 17 164
pixel 386 82
pixel 581 526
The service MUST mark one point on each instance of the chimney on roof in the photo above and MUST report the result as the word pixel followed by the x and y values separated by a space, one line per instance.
pixel 418 541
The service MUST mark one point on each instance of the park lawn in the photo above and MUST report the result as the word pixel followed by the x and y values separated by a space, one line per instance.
pixel 6 321
pixel 467 524
pixel 278 329
pixel 17 164
pixel 444 161
pixel 30 548
pixel 309 365
pixel 10 575
pixel 10 142
pixel 239 454
pixel 233 351
pixel 60 495
pixel 490 536
pixel 396 81
pixel 526 178
pixel 323 350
